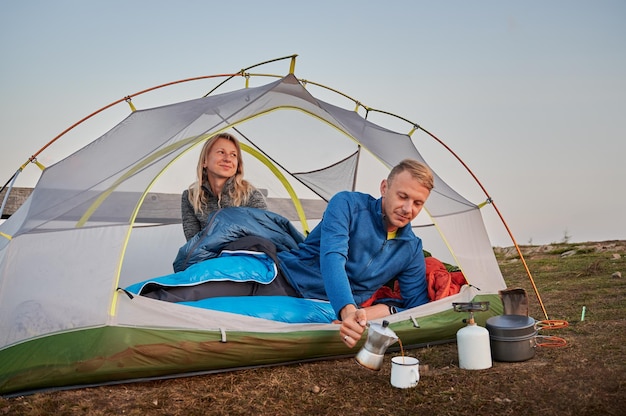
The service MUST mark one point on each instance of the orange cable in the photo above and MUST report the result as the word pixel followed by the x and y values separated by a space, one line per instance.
pixel 553 342
pixel 552 324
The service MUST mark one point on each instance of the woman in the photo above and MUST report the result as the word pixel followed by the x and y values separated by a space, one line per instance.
pixel 220 184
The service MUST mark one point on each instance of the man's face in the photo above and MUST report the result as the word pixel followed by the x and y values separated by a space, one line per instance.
pixel 403 199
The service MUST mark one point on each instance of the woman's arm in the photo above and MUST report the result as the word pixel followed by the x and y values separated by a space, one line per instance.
pixel 256 200
pixel 191 224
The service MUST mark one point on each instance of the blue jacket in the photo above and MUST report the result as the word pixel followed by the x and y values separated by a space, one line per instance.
pixel 229 224
pixel 347 256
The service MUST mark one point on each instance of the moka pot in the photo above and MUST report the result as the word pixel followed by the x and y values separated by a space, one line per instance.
pixel 379 338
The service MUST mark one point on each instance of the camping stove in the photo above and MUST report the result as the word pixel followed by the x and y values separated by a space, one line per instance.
pixel 471 307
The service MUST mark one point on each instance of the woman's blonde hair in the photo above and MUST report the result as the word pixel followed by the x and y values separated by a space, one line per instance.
pixel 241 189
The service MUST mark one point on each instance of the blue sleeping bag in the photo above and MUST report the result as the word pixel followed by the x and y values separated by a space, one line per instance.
pixel 242 266
pixel 275 308
pixel 237 266
pixel 230 224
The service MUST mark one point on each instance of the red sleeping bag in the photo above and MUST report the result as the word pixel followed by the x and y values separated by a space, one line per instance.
pixel 440 283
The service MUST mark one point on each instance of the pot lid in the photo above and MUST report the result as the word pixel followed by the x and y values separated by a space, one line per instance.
pixel 510 321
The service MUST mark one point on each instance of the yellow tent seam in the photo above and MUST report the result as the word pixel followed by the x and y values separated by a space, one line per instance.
pixel 129 100
pixel 487 201
pixel 94 206
pixel 283 180
pixel 104 195
pixel 445 241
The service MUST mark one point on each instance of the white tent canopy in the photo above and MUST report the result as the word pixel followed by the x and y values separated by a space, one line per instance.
pixel 75 240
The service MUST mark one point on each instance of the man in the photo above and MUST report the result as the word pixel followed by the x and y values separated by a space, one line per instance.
pixel 361 244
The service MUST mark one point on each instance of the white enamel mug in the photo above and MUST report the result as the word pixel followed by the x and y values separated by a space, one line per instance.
pixel 404 372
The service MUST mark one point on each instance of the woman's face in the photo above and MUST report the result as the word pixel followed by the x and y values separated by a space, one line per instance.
pixel 221 160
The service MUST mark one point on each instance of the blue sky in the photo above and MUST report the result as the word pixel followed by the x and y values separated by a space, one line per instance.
pixel 529 94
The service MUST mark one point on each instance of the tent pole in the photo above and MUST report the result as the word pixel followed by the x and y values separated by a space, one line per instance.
pixel 356 168
pixel 33 158
pixel 532 281
pixel 128 98
pixel 125 99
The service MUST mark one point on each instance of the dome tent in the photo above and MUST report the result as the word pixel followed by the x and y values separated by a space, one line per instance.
pixel 80 237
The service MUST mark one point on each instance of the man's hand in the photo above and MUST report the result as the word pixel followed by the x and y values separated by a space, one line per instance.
pixel 353 322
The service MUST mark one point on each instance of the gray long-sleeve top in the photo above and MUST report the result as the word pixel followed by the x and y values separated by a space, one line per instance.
pixel 193 221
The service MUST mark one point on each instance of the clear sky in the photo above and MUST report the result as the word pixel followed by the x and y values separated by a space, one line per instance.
pixel 531 95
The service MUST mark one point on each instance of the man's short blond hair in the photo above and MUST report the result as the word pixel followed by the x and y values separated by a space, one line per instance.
pixel 418 170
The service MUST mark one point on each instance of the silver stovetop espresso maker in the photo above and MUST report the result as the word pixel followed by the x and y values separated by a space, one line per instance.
pixel 379 338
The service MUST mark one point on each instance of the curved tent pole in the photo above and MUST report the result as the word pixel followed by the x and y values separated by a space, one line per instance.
pixel 304 82
pixel 490 201
pixel 292 193
pixel 129 97
pixel 242 72
pixel 11 179
pixel 260 156
pixel 6 195
pixel 274 162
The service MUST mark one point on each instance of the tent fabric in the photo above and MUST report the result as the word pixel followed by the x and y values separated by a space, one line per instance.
pixel 75 241
pixel 328 181
pixel 152 138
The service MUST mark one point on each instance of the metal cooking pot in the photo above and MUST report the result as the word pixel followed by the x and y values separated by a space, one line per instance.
pixel 512 337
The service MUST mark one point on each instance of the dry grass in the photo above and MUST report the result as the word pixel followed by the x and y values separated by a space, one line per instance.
pixel 586 377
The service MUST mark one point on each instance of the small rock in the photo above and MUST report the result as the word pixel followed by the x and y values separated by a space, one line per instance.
pixel 315 389
pixel 568 253
pixel 546 248
pixel 616 256
pixel 502 401
pixel 617 275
